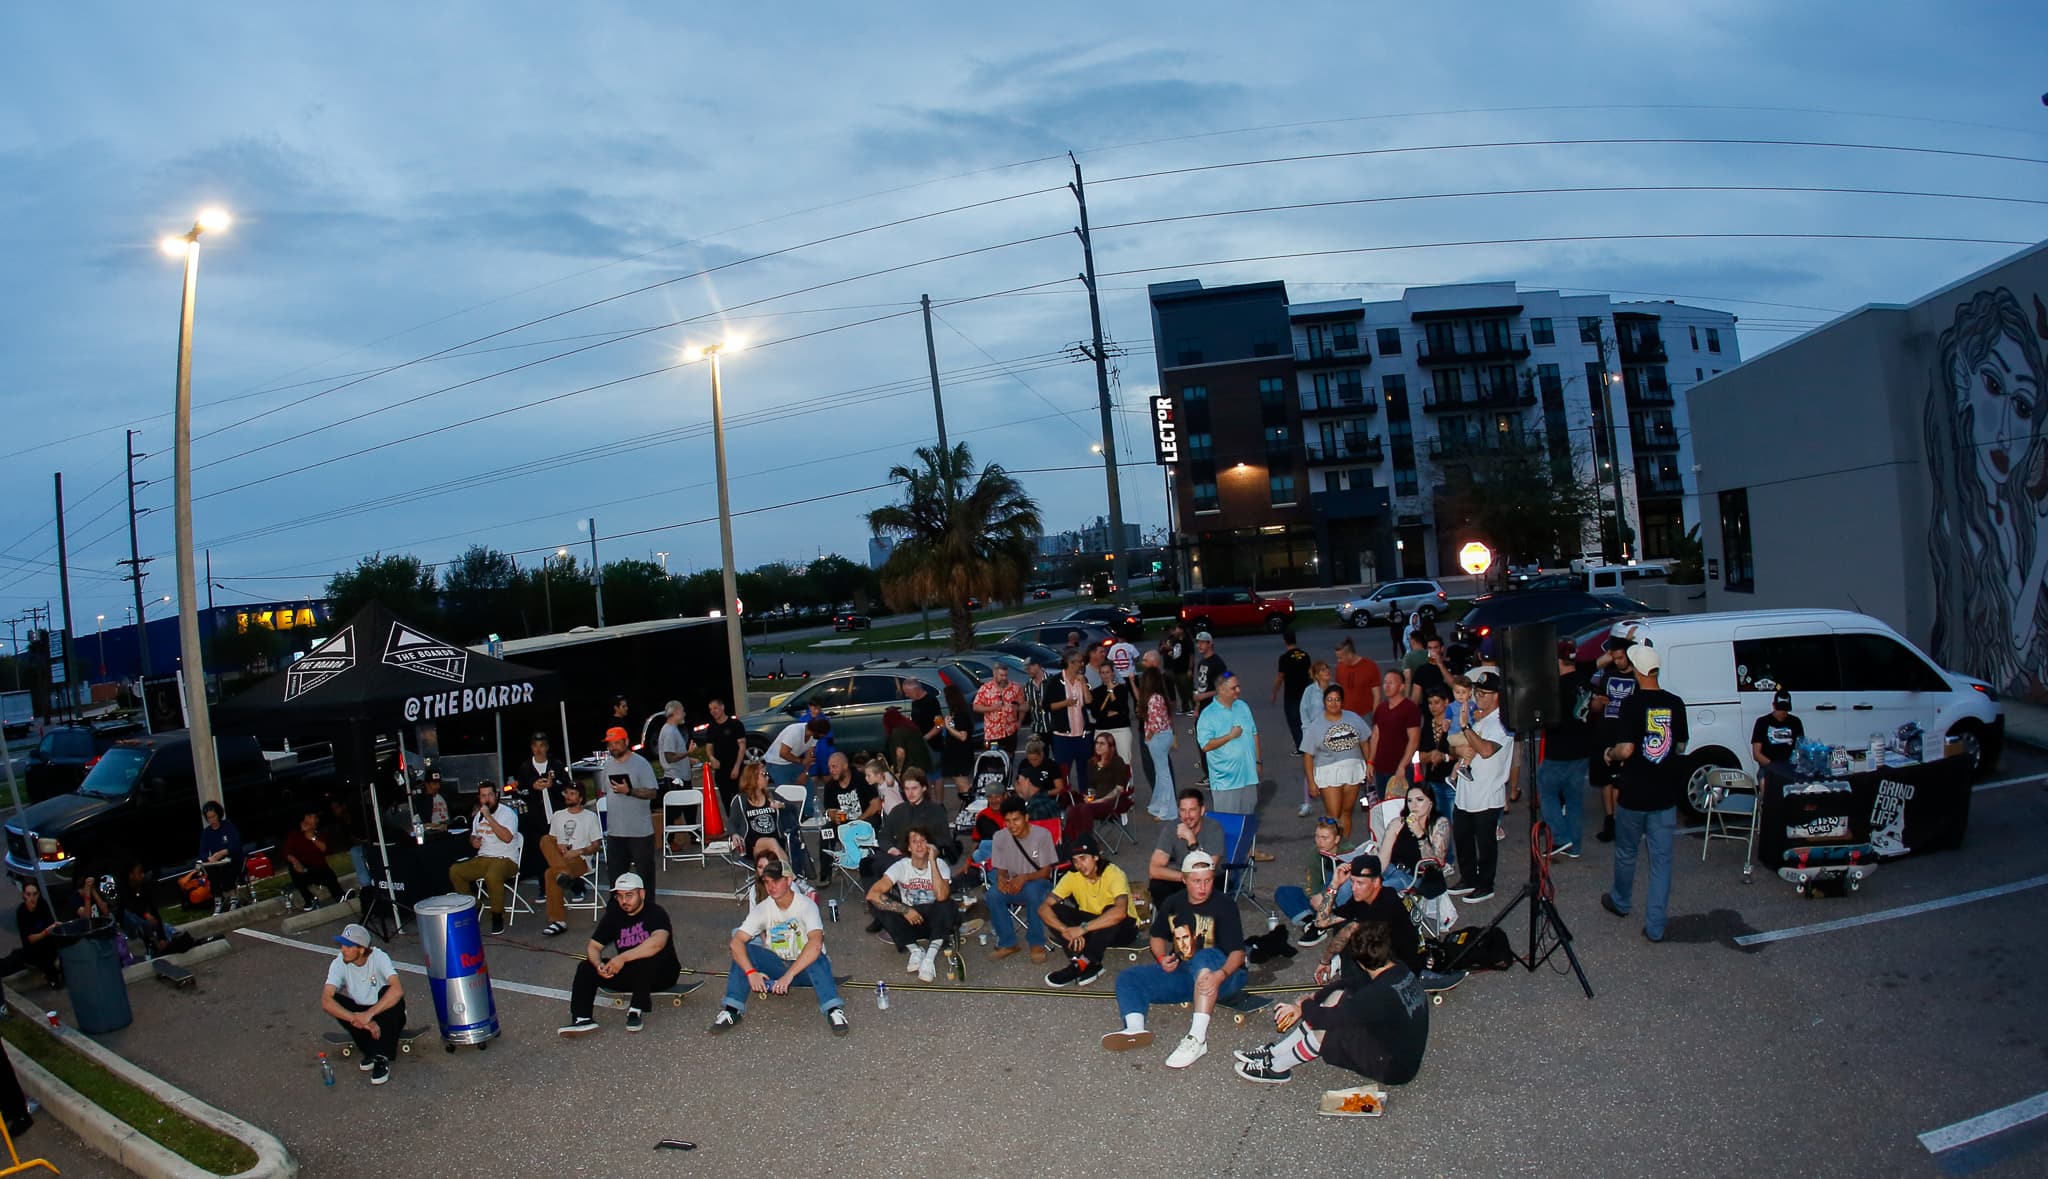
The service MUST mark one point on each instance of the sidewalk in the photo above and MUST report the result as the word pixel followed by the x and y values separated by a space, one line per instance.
pixel 2026 722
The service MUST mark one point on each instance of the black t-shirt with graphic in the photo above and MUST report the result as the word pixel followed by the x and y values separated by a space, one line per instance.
pixel 853 797
pixel 617 929
pixel 1653 778
pixel 1209 672
pixel 1191 928
pixel 1778 737
pixel 1388 909
pixel 1294 672
pixel 759 818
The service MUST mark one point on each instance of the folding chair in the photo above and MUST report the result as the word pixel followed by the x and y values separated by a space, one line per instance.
pixel 1731 792
pixel 857 841
pixel 1240 839
pixel 516 902
pixel 1381 819
pixel 690 802
pixel 1111 830
pixel 593 879
pixel 796 820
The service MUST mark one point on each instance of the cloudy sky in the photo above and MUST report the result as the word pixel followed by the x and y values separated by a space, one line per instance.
pixel 471 245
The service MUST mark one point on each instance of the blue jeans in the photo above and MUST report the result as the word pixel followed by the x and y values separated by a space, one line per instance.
pixel 1562 787
pixel 817 976
pixel 1029 897
pixel 1140 986
pixel 1163 806
pixel 1292 900
pixel 1657 829
pixel 1073 753
pixel 784 774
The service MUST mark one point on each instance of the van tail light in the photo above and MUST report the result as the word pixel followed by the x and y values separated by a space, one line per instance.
pixel 92 761
pixel 1484 631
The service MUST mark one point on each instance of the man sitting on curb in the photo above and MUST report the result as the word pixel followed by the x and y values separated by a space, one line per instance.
pixel 364 995
pixel 645 961
pixel 492 831
pixel 781 944
pixel 1089 910
pixel 574 835
pixel 1024 860
pixel 1198 952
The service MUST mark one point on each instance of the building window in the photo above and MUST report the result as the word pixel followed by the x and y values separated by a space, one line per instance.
pixel 1333 481
pixel 1282 487
pixel 1205 496
pixel 1404 481
pixel 1699 374
pixel 1693 330
pixel 1395 386
pixel 1277 439
pixel 1589 329
pixel 1194 393
pixel 1273 397
pixel 1737 561
pixel 1550 381
pixel 1390 341
pixel 1188 351
pixel 1713 339
pixel 1541 331
pixel 1201 446
pixel 1344 337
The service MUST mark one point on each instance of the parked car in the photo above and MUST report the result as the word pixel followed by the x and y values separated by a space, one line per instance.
pixel 1120 619
pixel 1047 657
pixel 1054 634
pixel 849 621
pixel 1490 612
pixel 1040 594
pixel 142 799
pixel 1404 596
pixel 1235 609
pixel 1849 674
pixel 855 698
pixel 60 761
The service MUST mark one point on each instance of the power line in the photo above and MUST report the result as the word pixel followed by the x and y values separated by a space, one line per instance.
pixel 1063 415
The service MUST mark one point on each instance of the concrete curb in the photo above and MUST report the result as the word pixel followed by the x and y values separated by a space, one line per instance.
pixel 333 914
pixel 125 1144
pixel 251 914
pixel 202 953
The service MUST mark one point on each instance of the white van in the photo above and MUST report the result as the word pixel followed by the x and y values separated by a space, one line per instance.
pixel 1849 674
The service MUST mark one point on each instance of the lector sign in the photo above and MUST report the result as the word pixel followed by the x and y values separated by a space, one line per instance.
pixel 1165 430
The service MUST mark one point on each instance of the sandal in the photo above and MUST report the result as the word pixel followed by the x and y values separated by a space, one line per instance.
pixel 555 928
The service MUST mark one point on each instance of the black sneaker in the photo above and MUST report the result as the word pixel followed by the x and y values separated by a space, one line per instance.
pixel 633 1021
pixel 1607 903
pixel 1263 1072
pixel 578 1027
pixel 1313 934
pixel 1064 976
pixel 1606 834
pixel 380 1071
pixel 1089 974
pixel 497 923
pixel 726 1020
pixel 366 1064
pixel 837 1018
pixel 1253 1055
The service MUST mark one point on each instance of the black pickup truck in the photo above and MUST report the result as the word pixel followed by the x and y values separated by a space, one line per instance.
pixel 141 799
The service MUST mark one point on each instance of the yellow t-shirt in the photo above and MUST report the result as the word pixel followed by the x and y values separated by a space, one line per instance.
pixel 1094 896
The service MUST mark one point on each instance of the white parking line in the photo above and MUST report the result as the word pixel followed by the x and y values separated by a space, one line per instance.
pixel 497 984
pixel 1982 894
pixel 2010 782
pixel 1985 1125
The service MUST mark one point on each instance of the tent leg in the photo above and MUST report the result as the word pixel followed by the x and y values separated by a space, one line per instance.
pixel 377 811
pixel 498 735
pixel 568 750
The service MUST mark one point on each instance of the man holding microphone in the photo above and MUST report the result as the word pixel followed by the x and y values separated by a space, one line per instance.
pixel 493 832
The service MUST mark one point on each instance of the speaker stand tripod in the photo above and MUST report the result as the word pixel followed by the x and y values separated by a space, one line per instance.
pixel 1545 923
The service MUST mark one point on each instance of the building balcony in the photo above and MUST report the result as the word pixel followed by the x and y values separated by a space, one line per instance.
pixel 1455 448
pixel 1331 355
pixel 1643 348
pixel 1650 393
pixel 1654 437
pixel 1479 397
pixel 1360 503
pixel 1659 483
pixel 1427 352
pixel 1343 398
pixel 1348 448
pixel 1364 446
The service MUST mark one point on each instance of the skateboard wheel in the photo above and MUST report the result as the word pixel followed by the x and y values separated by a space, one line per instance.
pixel 1436 1000
pixel 676 1002
pixel 1238 1018
pixel 348 1050
pixel 484 1046
pixel 448 1048
pixel 405 1045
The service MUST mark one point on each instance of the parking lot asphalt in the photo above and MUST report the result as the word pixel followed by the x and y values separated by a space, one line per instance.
pixel 1825 1053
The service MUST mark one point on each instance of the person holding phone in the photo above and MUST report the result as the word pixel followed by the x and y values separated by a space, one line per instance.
pixel 629 787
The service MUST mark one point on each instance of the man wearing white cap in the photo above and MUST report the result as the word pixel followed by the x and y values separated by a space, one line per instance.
pixel 1198 958
pixel 644 960
pixel 364 995
pixel 1650 769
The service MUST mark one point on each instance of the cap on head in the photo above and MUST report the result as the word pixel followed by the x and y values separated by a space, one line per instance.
pixel 616 734
pixel 1644 658
pixel 1199 861
pixel 1485 681
pixel 537 739
pixel 1084 845
pixel 628 880
pixel 1783 700
pixel 1203 636
pixel 1362 866
pixel 774 869
pixel 352 935
pixel 1617 643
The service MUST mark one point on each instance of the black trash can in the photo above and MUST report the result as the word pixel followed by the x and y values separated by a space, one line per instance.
pixel 92 975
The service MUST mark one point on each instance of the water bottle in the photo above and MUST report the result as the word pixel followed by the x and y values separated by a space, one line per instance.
pixel 326 1071
pixel 833 906
pixel 881 996
pixel 287 896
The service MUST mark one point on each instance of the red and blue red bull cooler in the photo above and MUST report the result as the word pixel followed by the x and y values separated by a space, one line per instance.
pixel 456 970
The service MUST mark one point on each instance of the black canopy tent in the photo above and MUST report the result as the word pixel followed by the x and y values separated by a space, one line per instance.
pixel 379 674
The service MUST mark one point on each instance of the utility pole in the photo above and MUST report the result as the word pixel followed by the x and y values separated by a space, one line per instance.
pixel 64 593
pixel 931 356
pixel 135 562
pixel 596 572
pixel 209 579
pixel 1117 568
pixel 14 648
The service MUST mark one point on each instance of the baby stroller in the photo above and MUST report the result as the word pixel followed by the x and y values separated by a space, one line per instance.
pixel 991 773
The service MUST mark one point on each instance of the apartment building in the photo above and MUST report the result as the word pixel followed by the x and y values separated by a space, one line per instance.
pixel 1313 440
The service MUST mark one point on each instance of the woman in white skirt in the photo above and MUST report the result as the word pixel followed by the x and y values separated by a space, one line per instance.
pixel 1333 757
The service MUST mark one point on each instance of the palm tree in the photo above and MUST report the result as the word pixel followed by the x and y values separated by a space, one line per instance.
pixel 959 535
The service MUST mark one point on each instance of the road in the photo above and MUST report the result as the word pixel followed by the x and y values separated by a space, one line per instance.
pixel 1827 1052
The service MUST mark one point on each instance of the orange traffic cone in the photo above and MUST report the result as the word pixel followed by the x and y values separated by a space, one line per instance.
pixel 714 809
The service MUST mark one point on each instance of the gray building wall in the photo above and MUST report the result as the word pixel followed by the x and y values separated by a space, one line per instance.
pixel 1866 449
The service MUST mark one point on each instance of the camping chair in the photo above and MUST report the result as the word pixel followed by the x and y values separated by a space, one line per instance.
pixel 797 819
pixel 1731 792
pixel 1111 829
pixel 516 902
pixel 1240 839
pixel 857 841
pixel 991 769
pixel 690 802
pixel 1381 819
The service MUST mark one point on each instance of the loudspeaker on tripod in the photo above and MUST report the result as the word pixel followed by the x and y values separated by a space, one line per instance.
pixel 1528 662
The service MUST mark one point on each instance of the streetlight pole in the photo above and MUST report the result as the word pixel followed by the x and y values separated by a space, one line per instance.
pixel 547 592
pixel 205 765
pixel 596 570
pixel 733 651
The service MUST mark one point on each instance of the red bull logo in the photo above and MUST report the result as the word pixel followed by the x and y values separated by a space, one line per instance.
pixel 471 962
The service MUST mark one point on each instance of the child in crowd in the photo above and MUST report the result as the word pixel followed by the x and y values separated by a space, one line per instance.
pixel 1327 888
pixel 1464 710
pixel 877 771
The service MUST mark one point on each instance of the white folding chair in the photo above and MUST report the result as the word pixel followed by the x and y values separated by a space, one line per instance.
pixel 1731 793
pixel 516 902
pixel 1381 819
pixel 689 822
pixel 593 879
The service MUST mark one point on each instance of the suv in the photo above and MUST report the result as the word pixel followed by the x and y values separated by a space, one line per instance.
pixel 1125 621
pixel 60 761
pixel 855 698
pixel 1216 609
pixel 1406 597
pixel 849 621
pixel 1054 634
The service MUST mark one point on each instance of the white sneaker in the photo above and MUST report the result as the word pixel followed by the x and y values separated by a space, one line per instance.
pixel 1187 1052
pixel 925 972
pixel 915 959
pixel 1303 811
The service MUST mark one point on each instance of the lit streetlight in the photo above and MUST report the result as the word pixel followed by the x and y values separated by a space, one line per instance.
pixel 547 592
pixel 205 766
pixel 731 612
pixel 102 629
pixel 664 561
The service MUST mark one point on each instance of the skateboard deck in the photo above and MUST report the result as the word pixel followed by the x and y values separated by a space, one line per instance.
pixel 1838 868
pixel 620 1000
pixel 1829 853
pixel 348 1044
pixel 1244 1004
pixel 173 973
pixel 1364 1101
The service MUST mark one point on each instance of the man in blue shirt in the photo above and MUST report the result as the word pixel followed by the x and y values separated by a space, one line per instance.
pixel 1229 738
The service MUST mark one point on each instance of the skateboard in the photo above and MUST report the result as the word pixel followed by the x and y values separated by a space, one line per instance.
pixel 1364 1101
pixel 1244 1004
pixel 1436 994
pixel 173 973
pixel 1840 868
pixel 623 999
pixel 348 1045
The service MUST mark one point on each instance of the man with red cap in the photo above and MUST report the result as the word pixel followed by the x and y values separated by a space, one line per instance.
pixel 628 786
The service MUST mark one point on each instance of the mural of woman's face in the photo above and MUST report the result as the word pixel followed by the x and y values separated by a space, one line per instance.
pixel 2003 397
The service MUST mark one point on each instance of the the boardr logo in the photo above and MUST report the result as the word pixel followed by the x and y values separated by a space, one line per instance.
pixel 321 664
pixel 413 651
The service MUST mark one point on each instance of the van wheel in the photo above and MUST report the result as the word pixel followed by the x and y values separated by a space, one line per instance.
pixel 1704 764
pixel 1971 735
pixel 1277 623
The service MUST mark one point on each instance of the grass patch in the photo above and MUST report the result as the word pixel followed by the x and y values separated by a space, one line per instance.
pixel 203 1146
